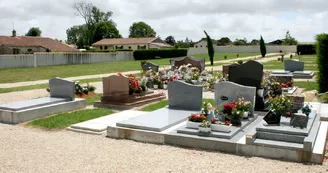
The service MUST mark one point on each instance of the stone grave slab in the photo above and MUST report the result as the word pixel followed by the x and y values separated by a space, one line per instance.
pixel 281 72
pixel 16 106
pixel 195 62
pixel 293 65
pixel 234 130
pixel 248 74
pixel 149 66
pixel 226 92
pixel 158 120
pixel 185 96
pixel 115 85
pixel 62 88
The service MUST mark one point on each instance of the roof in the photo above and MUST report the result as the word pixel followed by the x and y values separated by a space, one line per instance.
pixel 162 45
pixel 27 41
pixel 123 41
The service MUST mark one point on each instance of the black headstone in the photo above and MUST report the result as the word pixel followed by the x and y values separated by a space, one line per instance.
pixel 149 66
pixel 248 74
pixel 272 118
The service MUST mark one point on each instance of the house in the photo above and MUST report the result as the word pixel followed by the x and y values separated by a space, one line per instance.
pixel 26 44
pixel 203 43
pixel 131 43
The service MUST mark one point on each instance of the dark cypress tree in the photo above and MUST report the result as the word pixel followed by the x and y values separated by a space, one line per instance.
pixel 210 47
pixel 262 47
pixel 322 61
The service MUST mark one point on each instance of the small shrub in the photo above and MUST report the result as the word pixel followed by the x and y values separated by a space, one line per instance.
pixel 240 62
pixel 237 55
pixel 291 56
pixel 262 47
pixel 143 62
pixel 225 56
pixel 306 49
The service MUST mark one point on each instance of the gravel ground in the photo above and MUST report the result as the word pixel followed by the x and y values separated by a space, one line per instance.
pixel 33 150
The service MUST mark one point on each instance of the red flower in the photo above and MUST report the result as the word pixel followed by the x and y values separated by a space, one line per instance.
pixel 288 113
pixel 284 85
pixel 119 74
pixel 213 121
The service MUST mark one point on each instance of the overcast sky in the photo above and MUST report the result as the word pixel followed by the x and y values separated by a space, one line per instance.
pixel 180 18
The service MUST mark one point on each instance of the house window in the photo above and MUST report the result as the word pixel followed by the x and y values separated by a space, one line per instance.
pixel 16 51
pixel 142 47
pixel 201 45
pixel 29 50
pixel 129 47
pixel 101 48
pixel 106 47
pixel 196 46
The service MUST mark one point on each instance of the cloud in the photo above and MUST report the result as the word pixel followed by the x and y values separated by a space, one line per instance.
pixel 185 18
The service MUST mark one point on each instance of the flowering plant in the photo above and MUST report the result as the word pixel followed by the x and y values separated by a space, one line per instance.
pixel 205 124
pixel 242 105
pixel 156 80
pixel 236 114
pixel 207 107
pixel 280 104
pixel 227 108
pixel 275 89
pixel 134 83
pixel 196 118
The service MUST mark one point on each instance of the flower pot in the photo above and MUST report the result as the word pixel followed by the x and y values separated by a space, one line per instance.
pixel 235 121
pixel 220 128
pixel 165 86
pixel 205 129
pixel 193 125
pixel 161 86
pixel 155 86
pixel 245 115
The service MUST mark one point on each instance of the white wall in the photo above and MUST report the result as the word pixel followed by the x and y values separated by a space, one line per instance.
pixel 242 49
pixel 53 59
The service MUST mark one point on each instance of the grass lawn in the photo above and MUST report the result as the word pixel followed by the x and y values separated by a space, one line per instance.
pixel 41 73
pixel 309 63
pixel 93 99
pixel 164 103
pixel 61 121
pixel 309 86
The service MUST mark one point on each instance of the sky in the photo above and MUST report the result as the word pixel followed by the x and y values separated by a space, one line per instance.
pixel 179 18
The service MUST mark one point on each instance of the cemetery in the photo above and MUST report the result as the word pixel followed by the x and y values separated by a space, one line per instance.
pixel 295 69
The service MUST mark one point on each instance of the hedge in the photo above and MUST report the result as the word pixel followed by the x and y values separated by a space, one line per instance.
pixel 306 49
pixel 322 61
pixel 162 53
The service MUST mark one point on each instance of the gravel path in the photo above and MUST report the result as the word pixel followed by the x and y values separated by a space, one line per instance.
pixel 32 150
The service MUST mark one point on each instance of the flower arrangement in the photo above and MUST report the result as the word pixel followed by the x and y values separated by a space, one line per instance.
pixel 205 124
pixel 280 104
pixel 288 84
pixel 207 107
pixel 275 89
pixel 156 80
pixel 196 118
pixel 227 108
pixel 242 105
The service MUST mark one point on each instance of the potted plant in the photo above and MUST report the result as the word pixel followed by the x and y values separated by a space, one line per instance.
pixel 243 106
pixel 205 127
pixel 165 84
pixel 306 110
pixel 280 105
pixel 235 117
pixel 219 126
pixel 195 120
pixel 156 81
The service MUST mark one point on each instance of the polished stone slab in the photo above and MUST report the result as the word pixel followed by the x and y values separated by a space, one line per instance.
pixel 62 88
pixel 225 135
pixel 158 120
pixel 16 106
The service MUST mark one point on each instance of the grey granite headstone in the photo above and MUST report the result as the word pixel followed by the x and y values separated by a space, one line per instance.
pixel 248 74
pixel 299 120
pixel 149 66
pixel 185 96
pixel 62 88
pixel 226 92
pixel 292 65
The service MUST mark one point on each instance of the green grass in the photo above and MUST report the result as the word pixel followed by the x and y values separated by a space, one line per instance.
pixel 93 99
pixel 164 103
pixel 63 71
pixel 309 63
pixel 220 56
pixel 309 86
pixel 61 121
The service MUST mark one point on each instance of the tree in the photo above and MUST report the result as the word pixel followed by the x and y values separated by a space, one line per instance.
pixel 141 29
pixel 289 40
pixel 92 16
pixel 106 30
pixel 170 40
pixel 255 42
pixel 262 47
pixel 34 32
pixel 224 41
pixel 210 47
pixel 240 42
pixel 322 61
pixel 77 35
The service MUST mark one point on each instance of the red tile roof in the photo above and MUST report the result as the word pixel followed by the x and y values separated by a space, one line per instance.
pixel 124 41
pixel 26 41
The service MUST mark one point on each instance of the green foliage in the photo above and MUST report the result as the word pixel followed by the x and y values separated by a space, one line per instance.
pixel 322 61
pixel 181 44
pixel 210 47
pixel 262 47
pixel 280 104
pixel 240 61
pixel 224 41
pixel 163 53
pixel 105 30
pixel 141 29
pixel 34 32
pixel 306 49
pixel 205 124
pixel 255 42
pixel 289 40
pixel 324 98
pixel 170 40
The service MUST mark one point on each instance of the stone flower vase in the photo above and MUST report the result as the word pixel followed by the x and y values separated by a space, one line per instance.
pixel 245 115
pixel 155 86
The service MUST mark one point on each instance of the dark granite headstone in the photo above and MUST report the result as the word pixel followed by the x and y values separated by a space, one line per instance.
pixel 248 74
pixel 272 118
pixel 225 68
pixel 149 66
pixel 292 65
pixel 298 103
pixel 299 120
pixel 195 62
pixel 185 96
pixel 62 88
